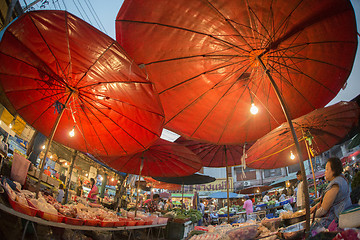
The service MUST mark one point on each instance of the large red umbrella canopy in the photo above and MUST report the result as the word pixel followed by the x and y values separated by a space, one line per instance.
pixel 162 159
pixel 323 128
pixel 213 155
pixel 113 109
pixel 204 59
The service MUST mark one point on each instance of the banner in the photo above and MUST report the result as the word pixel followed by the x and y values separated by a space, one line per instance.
pixel 219 185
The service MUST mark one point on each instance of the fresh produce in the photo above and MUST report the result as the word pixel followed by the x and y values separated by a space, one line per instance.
pixel 243 233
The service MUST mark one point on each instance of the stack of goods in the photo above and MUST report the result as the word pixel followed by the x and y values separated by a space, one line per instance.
pixel 239 231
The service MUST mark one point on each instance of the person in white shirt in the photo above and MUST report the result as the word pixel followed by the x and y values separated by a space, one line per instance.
pixel 266 198
pixel 300 197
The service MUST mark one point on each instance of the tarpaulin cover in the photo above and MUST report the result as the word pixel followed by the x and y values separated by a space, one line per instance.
pixel 46 55
pixel 203 57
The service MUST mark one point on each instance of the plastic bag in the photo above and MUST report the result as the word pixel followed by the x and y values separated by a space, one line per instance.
pixel 19 169
pixel 288 207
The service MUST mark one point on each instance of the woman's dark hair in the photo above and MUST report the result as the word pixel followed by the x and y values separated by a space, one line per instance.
pixel 336 166
pixel 92 181
pixel 61 186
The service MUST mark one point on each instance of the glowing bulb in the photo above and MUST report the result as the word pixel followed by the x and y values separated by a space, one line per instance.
pixel 292 156
pixel 101 178
pixel 10 126
pixel 112 179
pixel 43 147
pixel 86 175
pixel 65 163
pixel 353 158
pixel 138 190
pixel 258 190
pixel 254 110
pixel 72 133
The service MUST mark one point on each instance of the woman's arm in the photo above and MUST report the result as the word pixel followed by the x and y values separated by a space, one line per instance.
pixel 328 201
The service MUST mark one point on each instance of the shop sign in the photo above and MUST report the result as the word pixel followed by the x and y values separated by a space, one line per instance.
pixel 216 186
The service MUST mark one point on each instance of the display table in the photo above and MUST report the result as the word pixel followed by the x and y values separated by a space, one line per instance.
pixel 69 226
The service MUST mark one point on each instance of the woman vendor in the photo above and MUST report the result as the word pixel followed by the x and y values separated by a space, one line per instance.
pixel 93 190
pixel 336 196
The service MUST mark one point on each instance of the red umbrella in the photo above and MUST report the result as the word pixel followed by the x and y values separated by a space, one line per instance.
pixel 323 127
pixel 162 159
pixel 213 155
pixel 233 54
pixel 52 61
pixel 210 60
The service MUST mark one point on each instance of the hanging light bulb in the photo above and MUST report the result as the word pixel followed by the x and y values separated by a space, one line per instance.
pixel 10 126
pixel 72 132
pixel 86 175
pixel 65 163
pixel 292 156
pixel 101 178
pixel 138 190
pixel 112 179
pixel 43 147
pixel 51 157
pixel 254 110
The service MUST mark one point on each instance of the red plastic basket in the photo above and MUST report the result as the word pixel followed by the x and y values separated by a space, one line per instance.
pixel 51 217
pixel 22 208
pixel 107 223
pixel 131 222
pixel 140 222
pixel 148 222
pixel 120 223
pixel 92 222
pixel 74 221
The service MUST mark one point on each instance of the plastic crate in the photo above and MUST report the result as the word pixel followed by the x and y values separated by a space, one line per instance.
pixel 131 222
pixel 107 223
pixel 140 222
pixel 74 221
pixel 51 217
pixel 91 222
pixel 120 223
pixel 23 208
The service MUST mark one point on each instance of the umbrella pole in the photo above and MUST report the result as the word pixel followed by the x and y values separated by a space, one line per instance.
pixel 69 179
pixel 182 197
pixel 138 184
pixel 52 133
pixel 227 186
pixel 288 118
pixel 312 167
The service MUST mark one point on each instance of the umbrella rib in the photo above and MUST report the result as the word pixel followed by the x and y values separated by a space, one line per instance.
pixel 194 77
pixel 298 71
pixel 82 99
pixel 92 126
pixel 36 79
pixel 108 107
pixel 68 44
pixel 326 13
pixel 115 124
pixel 40 70
pixel 95 62
pixel 41 114
pixel 42 37
pixel 185 29
pixel 125 81
pixel 88 94
pixel 228 22
pixel 42 99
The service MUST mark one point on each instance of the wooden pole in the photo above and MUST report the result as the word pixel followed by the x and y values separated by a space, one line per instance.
pixel 312 167
pixel 299 153
pixel 52 133
pixel 227 187
pixel 73 158
pixel 138 184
